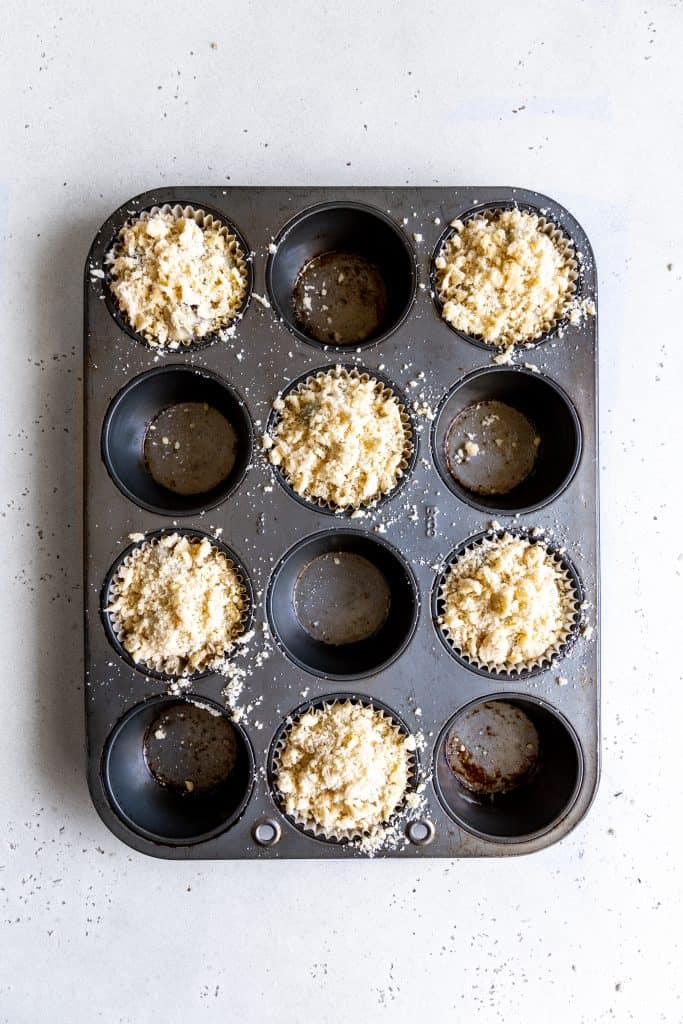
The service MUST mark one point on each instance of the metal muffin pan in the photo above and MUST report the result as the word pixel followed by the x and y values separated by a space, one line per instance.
pixel 406 666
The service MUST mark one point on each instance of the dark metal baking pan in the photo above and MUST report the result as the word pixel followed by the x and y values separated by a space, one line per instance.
pixel 264 524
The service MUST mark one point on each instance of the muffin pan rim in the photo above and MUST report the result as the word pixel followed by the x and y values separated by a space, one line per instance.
pixel 443 201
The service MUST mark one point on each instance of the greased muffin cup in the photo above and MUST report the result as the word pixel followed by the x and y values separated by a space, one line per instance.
pixel 386 831
pixel 534 804
pixel 563 243
pixel 548 412
pixel 343 229
pixel 204 217
pixel 387 389
pixel 573 592
pixel 115 638
pixel 133 413
pixel 172 810
pixel 342 604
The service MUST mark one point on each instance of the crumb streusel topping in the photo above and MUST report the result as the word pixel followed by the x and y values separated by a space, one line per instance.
pixel 507 603
pixel 176 281
pixel 177 604
pixel 340 437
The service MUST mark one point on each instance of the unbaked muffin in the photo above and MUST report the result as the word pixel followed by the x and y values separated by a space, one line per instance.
pixel 177 276
pixel 506 277
pixel 507 603
pixel 341 438
pixel 177 604
pixel 344 769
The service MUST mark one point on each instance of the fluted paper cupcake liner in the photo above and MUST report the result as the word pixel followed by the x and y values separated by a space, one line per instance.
pixel 573 592
pixel 238 250
pixel 386 390
pixel 355 837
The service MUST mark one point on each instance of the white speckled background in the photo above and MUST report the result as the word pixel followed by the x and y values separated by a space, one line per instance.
pixel 579 100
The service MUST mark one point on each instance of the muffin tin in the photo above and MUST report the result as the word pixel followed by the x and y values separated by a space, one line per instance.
pixel 302 564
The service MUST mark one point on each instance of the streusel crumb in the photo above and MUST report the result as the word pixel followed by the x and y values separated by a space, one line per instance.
pixel 507 603
pixel 176 281
pixel 340 437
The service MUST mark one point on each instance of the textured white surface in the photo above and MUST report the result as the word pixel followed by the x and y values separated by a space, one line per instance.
pixel 100 101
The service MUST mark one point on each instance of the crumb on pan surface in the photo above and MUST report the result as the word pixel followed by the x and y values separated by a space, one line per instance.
pixel 174 280
pixel 507 603
pixel 344 769
pixel 177 604
pixel 505 277
pixel 341 438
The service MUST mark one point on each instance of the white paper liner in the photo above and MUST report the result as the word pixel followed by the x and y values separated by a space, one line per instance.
pixel 387 392
pixel 354 837
pixel 566 247
pixel 203 219
pixel 158 669
pixel 554 653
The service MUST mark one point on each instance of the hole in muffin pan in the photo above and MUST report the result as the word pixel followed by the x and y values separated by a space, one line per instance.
pixel 340 299
pixel 178 770
pixel 279 739
pixel 209 339
pixel 189 752
pixel 106 592
pixel 514 674
pixel 318 505
pixel 528 434
pixel 177 441
pixel 354 260
pixel 341 598
pixel 508 767
pixel 421 832
pixel 267 832
pixel 558 327
pixel 342 604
